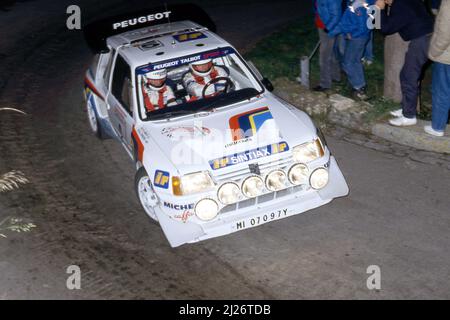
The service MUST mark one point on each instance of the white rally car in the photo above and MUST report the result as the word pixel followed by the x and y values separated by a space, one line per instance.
pixel 211 164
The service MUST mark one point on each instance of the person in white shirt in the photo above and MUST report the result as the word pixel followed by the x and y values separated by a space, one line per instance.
pixel 157 94
pixel 203 72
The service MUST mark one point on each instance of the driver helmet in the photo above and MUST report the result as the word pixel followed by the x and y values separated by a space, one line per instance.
pixel 156 79
pixel 202 68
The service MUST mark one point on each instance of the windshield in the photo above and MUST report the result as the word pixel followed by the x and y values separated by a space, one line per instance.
pixel 194 83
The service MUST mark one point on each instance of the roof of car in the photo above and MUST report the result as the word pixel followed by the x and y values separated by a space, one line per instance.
pixel 166 41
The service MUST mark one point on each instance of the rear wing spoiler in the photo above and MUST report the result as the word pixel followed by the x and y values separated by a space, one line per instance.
pixel 97 32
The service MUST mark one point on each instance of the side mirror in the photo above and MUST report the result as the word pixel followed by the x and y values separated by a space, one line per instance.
pixel 268 84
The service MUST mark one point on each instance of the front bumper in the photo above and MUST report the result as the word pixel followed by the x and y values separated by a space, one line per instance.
pixel 179 233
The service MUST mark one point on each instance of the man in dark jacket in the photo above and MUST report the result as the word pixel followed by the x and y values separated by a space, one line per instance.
pixel 411 20
pixel 328 15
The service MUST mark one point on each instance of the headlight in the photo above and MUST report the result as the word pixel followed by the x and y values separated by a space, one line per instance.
pixel 319 178
pixel 298 174
pixel 192 183
pixel 229 193
pixel 206 209
pixel 253 186
pixel 276 180
pixel 308 151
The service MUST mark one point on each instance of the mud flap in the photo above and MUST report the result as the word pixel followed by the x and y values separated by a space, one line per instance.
pixel 337 186
pixel 176 232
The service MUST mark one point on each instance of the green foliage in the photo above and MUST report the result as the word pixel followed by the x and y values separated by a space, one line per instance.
pixel 279 54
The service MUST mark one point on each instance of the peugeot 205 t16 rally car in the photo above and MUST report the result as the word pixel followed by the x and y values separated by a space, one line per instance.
pixel 215 151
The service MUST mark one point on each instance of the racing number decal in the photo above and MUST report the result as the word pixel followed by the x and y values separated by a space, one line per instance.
pixel 161 179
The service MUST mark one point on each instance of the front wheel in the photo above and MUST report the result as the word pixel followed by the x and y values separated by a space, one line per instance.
pixel 145 193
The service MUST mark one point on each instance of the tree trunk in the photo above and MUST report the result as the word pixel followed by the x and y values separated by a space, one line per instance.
pixel 394 58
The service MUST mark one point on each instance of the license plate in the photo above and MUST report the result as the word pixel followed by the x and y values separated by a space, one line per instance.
pixel 261 219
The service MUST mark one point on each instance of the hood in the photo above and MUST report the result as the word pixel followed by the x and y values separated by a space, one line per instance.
pixel 231 136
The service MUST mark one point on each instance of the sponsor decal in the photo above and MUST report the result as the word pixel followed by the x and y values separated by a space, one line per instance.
pixel 185 60
pixel 184 216
pixel 144 134
pixel 161 179
pixel 178 207
pixel 141 20
pixel 189 36
pixel 247 124
pixel 175 133
pixel 232 144
pixel 250 155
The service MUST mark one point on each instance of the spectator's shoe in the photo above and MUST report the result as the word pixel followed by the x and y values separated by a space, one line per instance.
pixel 320 89
pixel 402 121
pixel 397 113
pixel 430 130
pixel 367 62
pixel 360 94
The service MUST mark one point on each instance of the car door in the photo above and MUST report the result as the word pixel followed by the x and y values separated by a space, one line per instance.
pixel 120 102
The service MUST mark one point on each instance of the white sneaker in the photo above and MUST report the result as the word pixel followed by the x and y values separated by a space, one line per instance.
pixel 403 122
pixel 430 130
pixel 397 113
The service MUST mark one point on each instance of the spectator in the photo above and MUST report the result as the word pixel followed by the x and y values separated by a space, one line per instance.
pixel 353 25
pixel 328 14
pixel 440 54
pixel 411 20
pixel 368 51
pixel 339 46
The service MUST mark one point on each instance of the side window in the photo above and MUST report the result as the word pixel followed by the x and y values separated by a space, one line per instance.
pixel 121 83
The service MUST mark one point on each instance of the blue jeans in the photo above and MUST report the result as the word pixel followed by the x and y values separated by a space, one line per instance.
pixel 441 96
pixel 368 51
pixel 415 59
pixel 352 65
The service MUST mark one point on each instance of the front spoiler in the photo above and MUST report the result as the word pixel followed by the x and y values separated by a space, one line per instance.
pixel 179 233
